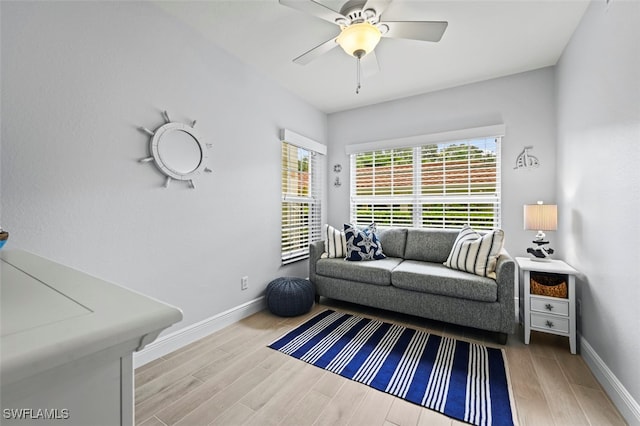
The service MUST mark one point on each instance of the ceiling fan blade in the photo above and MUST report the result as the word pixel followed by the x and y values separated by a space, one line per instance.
pixel 378 5
pixel 369 64
pixel 317 51
pixel 313 8
pixel 416 30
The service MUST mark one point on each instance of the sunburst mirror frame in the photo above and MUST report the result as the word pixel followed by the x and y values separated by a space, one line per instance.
pixel 164 162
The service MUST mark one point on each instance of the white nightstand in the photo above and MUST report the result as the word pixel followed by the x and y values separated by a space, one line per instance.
pixel 556 315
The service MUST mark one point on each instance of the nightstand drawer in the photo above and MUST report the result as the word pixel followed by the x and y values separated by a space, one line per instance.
pixel 550 323
pixel 558 307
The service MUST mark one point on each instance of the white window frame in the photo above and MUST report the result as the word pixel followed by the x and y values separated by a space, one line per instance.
pixel 297 248
pixel 414 202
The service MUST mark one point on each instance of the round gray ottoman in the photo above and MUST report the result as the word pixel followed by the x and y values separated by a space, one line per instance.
pixel 289 297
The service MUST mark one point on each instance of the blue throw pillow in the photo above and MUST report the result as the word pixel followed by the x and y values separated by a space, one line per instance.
pixel 362 244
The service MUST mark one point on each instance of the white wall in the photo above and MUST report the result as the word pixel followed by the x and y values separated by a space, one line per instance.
pixel 524 102
pixel 78 78
pixel 598 80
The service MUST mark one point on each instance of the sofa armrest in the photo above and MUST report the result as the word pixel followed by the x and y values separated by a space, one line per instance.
pixel 316 249
pixel 505 278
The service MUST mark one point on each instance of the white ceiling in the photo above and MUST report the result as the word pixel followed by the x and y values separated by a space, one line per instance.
pixel 484 39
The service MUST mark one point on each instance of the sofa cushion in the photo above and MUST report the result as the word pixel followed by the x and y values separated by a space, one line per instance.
pixel 362 244
pixel 393 241
pixel 429 245
pixel 476 253
pixel 376 272
pixel 335 244
pixel 435 278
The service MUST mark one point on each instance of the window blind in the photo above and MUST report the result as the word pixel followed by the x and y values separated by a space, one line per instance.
pixel 301 201
pixel 437 185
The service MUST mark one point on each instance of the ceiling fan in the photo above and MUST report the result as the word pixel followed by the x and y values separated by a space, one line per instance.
pixel 361 28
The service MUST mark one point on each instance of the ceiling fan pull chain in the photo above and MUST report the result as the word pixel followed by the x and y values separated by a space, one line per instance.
pixel 358 77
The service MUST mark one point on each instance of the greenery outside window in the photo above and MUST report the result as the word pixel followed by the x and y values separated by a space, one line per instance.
pixel 437 185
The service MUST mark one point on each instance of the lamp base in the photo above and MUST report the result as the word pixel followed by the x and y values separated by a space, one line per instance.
pixel 540 254
pixel 540 259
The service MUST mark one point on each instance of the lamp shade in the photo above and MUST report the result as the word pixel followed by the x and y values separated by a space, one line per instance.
pixel 359 39
pixel 541 217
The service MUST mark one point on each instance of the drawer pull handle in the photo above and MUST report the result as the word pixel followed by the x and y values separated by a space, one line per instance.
pixel 549 324
pixel 549 307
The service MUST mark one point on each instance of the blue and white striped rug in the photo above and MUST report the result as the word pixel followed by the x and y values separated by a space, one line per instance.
pixel 462 380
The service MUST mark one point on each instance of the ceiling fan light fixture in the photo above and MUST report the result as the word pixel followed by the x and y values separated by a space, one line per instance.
pixel 359 39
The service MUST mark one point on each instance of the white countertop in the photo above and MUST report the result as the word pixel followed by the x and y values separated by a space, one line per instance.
pixel 51 314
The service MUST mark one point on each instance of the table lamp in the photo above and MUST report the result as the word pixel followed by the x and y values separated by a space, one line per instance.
pixel 540 217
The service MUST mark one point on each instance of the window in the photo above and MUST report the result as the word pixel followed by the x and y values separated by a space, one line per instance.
pixel 301 201
pixel 437 185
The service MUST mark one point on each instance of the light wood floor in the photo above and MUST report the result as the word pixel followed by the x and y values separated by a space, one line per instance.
pixel 232 378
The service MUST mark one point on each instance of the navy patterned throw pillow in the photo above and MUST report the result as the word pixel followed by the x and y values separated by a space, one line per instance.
pixel 362 244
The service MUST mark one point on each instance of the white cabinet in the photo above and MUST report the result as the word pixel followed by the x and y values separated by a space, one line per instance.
pixel 67 343
pixel 549 314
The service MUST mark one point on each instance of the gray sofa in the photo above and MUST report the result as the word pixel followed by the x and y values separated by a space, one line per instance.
pixel 413 280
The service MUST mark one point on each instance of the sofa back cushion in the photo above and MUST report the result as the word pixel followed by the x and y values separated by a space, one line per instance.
pixel 393 241
pixel 429 245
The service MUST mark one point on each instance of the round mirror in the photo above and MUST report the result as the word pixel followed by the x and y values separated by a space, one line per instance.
pixel 180 152
pixel 177 150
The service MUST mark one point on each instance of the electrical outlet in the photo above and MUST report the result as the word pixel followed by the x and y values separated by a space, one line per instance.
pixel 244 283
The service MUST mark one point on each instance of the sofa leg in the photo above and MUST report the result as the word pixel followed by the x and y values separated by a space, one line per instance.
pixel 501 338
pixel 317 298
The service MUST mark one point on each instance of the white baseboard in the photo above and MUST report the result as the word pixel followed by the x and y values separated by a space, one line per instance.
pixel 193 332
pixel 628 407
